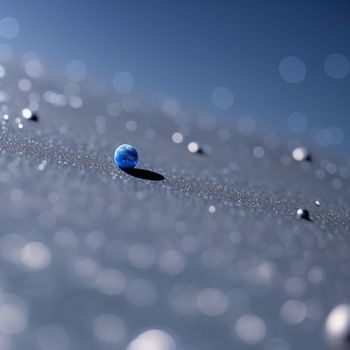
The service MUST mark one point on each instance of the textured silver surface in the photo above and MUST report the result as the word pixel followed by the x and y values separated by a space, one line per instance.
pixel 217 240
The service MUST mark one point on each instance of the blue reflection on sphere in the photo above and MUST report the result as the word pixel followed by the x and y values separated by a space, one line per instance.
pixel 126 156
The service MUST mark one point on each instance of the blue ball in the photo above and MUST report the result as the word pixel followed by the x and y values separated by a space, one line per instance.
pixel 126 156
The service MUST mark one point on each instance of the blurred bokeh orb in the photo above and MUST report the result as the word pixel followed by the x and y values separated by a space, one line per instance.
pixel 337 66
pixel 337 327
pixel 222 97
pixel 292 70
pixel 9 28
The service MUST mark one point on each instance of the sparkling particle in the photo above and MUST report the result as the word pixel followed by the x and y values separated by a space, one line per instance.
pixel 193 147
pixel 126 156
pixel 154 339
pixel 27 113
pixel 251 329
pixel 337 66
pixel 292 70
pixel 212 209
pixel 301 154
pixel 177 137
pixel 337 327
pixel 222 97
pixel 42 165
pixel 317 203
pixel 303 214
pixel 24 85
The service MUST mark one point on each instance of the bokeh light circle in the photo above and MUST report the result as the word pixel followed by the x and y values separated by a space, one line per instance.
pixel 76 71
pixel 109 328
pixel 251 329
pixel 292 70
pixel 9 28
pixel 222 97
pixel 337 66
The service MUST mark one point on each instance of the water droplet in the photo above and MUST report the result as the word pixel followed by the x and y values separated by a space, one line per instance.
pixel 154 339
pixel 26 113
pixel 212 209
pixel 303 214
pixel 126 156
pixel 193 147
pixel 301 154
pixel 337 327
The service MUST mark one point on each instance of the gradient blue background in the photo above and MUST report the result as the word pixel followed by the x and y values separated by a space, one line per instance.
pixel 188 48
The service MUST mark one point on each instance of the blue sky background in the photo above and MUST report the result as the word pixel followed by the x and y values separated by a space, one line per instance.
pixel 189 48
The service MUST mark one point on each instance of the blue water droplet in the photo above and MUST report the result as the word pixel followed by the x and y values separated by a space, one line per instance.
pixel 126 156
